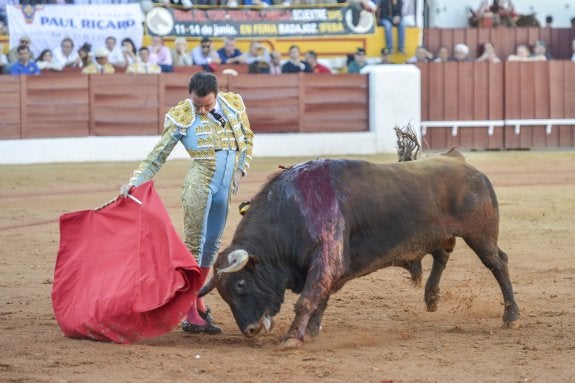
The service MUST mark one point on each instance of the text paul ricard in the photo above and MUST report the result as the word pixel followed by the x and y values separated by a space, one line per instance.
pixel 86 23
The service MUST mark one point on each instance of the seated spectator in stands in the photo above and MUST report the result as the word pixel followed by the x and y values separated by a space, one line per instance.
pixel 422 55
pixel 13 55
pixel 205 54
pixel 143 65
pixel 548 21
pixel 160 54
pixel 461 52
pixel 264 3
pixel 316 67
pixel 101 64
pixel 3 28
pixel 181 55
pixel 129 51
pixel 276 62
pixel 46 62
pixel 3 59
pixel 385 57
pixel 84 57
pixel 229 54
pixel 257 52
pixel 390 16
pixel 24 65
pixel 358 62
pixel 540 52
pixel 115 55
pixel 64 54
pixel 488 53
pixel 521 54
pixel 294 63
pixel 442 55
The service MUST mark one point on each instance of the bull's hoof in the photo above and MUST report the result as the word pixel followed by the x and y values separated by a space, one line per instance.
pixel 514 324
pixel 431 301
pixel 291 343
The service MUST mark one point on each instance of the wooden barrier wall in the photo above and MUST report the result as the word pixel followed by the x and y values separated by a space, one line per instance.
pixel 74 105
pixel 507 91
pixel 505 40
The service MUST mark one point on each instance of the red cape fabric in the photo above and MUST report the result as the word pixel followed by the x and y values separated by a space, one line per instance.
pixel 123 273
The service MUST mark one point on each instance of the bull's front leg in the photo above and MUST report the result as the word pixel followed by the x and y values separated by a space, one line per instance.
pixel 431 296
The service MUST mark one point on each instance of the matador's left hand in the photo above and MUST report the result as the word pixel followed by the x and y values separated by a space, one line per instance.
pixel 236 181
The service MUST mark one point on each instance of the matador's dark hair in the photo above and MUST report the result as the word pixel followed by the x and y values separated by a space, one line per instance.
pixel 202 84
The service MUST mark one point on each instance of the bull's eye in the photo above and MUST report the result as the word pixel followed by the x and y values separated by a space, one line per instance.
pixel 241 286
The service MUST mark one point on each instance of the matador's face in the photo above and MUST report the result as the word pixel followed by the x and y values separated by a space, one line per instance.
pixel 203 105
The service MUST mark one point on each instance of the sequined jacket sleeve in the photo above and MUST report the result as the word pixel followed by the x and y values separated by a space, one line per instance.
pixel 241 128
pixel 157 157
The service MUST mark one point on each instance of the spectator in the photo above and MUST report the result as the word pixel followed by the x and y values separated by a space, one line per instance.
pixel 442 55
pixel 101 65
pixel 24 65
pixel 84 58
pixel 422 55
pixel 276 62
pixel 488 53
pixel 315 66
pixel 257 53
pixel 540 52
pixel 573 50
pixel 204 54
pixel 181 55
pixel 46 61
pixel 390 16
pixel 3 60
pixel 548 21
pixel 13 55
pixel 385 57
pixel 358 62
pixel 229 54
pixel 129 51
pixel 461 52
pixel 115 56
pixel 64 54
pixel 143 65
pixel 160 54
pixel 3 28
pixel 294 63
pixel 521 54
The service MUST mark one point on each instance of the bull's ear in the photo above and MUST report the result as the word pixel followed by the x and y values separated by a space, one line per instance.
pixel 237 259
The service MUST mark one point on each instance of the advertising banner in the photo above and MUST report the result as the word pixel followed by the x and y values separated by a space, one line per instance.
pixel 47 25
pixel 259 23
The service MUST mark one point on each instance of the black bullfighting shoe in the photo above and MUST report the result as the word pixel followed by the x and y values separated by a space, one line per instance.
pixel 208 328
pixel 207 316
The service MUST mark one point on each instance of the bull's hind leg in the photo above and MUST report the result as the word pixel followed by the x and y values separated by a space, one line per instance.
pixel 431 296
pixel 496 261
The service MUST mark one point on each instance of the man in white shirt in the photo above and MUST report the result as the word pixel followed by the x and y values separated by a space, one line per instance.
pixel 143 65
pixel 116 57
pixel 65 54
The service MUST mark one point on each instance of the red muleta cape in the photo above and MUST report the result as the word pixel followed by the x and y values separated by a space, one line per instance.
pixel 123 273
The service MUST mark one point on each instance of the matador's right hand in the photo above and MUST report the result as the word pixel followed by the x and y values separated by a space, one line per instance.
pixel 125 190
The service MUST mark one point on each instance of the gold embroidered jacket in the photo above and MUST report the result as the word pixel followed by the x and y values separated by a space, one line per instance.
pixel 201 136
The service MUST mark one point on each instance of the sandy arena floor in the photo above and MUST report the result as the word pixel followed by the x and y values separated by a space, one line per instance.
pixel 375 330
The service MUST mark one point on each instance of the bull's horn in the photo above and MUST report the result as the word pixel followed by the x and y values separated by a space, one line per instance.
pixel 209 286
pixel 237 259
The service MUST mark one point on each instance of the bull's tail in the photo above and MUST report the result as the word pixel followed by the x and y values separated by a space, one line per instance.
pixel 454 153
pixel 407 144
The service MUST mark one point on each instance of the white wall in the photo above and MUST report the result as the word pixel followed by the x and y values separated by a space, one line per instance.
pixel 454 13
pixel 394 101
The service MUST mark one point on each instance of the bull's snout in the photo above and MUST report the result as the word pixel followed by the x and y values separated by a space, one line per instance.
pixel 252 330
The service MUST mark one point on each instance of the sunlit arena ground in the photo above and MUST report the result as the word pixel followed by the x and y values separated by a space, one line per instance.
pixel 376 329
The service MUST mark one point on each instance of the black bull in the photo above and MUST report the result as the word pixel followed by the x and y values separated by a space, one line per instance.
pixel 317 225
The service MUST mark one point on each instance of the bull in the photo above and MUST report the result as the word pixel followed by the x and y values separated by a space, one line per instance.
pixel 319 224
